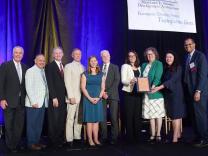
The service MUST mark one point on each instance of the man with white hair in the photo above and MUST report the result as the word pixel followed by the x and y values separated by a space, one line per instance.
pixel 12 97
pixel 36 101
pixel 111 96
pixel 72 77
pixel 57 104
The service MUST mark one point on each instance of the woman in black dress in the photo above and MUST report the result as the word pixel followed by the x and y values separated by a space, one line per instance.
pixel 174 98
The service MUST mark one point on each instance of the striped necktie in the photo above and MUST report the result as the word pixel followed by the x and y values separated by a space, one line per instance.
pixel 105 70
pixel 19 72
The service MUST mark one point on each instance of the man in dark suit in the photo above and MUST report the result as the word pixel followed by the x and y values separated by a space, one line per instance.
pixel 12 96
pixel 196 81
pixel 111 96
pixel 57 93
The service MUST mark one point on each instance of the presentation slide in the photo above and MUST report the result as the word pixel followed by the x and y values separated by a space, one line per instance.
pixel 162 15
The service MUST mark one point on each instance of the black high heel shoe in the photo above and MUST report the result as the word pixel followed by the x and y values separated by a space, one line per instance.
pixel 91 145
pixel 98 145
pixel 158 139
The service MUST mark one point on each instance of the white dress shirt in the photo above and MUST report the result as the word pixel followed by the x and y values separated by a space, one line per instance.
pixel 16 66
pixel 58 64
pixel 105 71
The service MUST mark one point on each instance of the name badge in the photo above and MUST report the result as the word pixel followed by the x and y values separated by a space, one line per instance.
pixel 192 65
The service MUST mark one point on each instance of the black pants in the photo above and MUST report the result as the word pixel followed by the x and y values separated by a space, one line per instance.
pixel 14 122
pixel 132 111
pixel 113 106
pixel 56 123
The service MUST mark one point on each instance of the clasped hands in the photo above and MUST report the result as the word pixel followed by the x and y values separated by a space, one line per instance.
pixel 94 100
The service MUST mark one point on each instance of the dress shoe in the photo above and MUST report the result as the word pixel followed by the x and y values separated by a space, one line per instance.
pixel 69 144
pixel 43 146
pixel 60 145
pixel 35 147
pixel 13 150
pixel 113 142
pixel 21 148
pixel 202 143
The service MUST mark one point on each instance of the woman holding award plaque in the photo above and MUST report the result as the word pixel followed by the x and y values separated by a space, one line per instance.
pixel 153 103
pixel 130 71
pixel 173 93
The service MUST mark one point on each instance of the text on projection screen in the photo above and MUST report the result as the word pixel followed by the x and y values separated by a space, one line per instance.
pixel 162 15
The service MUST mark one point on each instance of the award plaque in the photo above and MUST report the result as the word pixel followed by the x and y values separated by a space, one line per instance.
pixel 143 84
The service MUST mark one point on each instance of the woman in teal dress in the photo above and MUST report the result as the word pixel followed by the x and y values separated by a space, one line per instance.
pixel 93 86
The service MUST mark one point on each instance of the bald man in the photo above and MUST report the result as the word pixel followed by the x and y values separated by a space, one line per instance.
pixel 72 76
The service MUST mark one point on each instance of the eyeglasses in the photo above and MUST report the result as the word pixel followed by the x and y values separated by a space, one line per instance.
pixel 131 55
pixel 150 54
pixel 186 45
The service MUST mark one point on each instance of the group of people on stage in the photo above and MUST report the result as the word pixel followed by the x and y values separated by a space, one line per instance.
pixel 74 95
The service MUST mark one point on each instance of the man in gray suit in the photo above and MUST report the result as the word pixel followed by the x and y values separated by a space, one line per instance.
pixel 111 96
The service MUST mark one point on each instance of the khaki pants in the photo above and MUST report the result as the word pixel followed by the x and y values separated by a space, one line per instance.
pixel 73 128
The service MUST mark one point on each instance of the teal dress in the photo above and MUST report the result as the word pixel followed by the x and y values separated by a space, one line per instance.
pixel 93 112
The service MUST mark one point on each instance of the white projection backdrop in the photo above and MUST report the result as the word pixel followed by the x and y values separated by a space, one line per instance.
pixel 162 15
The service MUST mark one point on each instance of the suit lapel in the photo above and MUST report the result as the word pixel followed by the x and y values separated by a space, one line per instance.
pixel 152 69
pixel 109 71
pixel 193 57
pixel 23 72
pixel 56 67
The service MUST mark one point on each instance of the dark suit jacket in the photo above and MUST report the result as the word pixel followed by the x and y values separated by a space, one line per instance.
pixel 112 82
pixel 10 87
pixel 174 98
pixel 196 78
pixel 55 82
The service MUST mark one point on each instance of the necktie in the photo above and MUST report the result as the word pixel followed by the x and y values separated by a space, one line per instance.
pixel 45 81
pixel 19 72
pixel 104 70
pixel 188 60
pixel 61 70
pixel 187 68
pixel 43 76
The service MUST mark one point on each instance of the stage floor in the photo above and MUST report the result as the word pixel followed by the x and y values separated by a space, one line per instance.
pixel 185 148
pixel 121 149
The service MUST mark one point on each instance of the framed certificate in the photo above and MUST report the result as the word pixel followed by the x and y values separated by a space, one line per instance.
pixel 143 84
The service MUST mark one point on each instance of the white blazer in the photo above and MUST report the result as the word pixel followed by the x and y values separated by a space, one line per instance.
pixel 127 74
pixel 36 88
